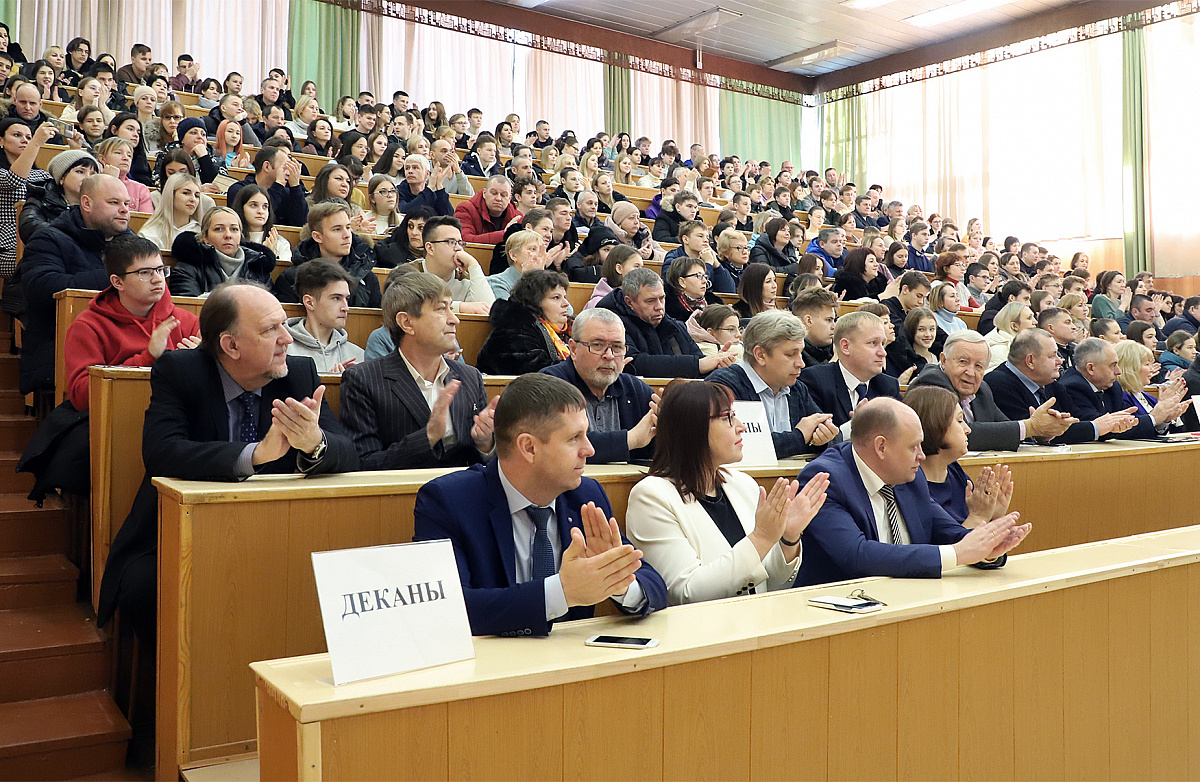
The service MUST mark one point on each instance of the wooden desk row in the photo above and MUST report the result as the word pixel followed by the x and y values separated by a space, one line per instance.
pixel 236 585
pixel 1066 664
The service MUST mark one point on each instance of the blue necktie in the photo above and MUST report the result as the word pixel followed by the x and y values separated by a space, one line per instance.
pixel 543 551
pixel 861 390
pixel 248 429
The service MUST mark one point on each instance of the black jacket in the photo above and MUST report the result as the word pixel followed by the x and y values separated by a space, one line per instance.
pixel 43 203
pixel 359 263
pixel 576 266
pixel 675 306
pixel 290 203
pixel 666 227
pixel 472 166
pixel 828 389
pixel 208 168
pixel 764 251
pixel 1014 400
pixel 854 286
pixel 633 402
pixel 197 270
pixel 991 430
pixel 518 343
pixel 800 405
pixel 64 254
pixel 33 124
pixel 664 350
pixel 393 251
pixel 815 356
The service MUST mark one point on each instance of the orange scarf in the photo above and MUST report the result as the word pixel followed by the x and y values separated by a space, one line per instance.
pixel 563 351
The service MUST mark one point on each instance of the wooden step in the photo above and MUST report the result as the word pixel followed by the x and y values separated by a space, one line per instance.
pixel 10 371
pixel 63 737
pixel 50 651
pixel 16 431
pixel 26 582
pixel 28 529
pixel 11 481
pixel 12 402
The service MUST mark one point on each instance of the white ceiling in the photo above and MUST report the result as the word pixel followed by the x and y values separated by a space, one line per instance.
pixel 770 29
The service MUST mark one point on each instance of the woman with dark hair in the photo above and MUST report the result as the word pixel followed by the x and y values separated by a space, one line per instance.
pixel 773 246
pixel 125 125
pixel 529 328
pixel 79 60
pixel 210 94
pixel 686 284
pixel 620 261
pixel 945 443
pixel 11 47
pixel 321 140
pixel 756 290
pixel 504 138
pixel 354 143
pixel 404 245
pixel 253 205
pixel 391 163
pixel 1112 296
pixel 715 328
pixel 18 154
pixel 46 81
pixel 232 84
pixel 711 531
pixel 859 276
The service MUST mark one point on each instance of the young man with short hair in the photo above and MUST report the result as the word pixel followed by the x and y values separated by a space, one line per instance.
pixel 279 174
pixel 816 307
pixel 320 333
pixel 446 259
pixel 331 238
pixel 131 322
pixel 474 122
pixel 187 80
pixel 138 68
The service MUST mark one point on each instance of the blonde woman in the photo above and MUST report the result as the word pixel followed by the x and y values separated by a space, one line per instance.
pixel 1138 369
pixel 589 164
pixel 178 210
pixel 1077 305
pixel 1012 319
pixel 549 158
pixel 623 170
pixel 564 161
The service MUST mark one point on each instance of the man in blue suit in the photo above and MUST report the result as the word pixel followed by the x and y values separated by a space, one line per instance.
pixel 838 388
pixel 534 539
pixel 769 372
pixel 878 519
pixel 1094 391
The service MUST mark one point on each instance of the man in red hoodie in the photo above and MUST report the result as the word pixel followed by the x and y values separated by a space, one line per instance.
pixel 132 322
pixel 488 213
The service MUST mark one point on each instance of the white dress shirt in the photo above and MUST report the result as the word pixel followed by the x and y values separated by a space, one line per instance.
pixel 430 391
pixel 778 415
pixel 873 484
pixel 852 384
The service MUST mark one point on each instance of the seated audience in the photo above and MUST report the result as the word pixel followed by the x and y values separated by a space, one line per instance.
pixel 1095 393
pixel 412 408
pixel 1013 290
pixel 117 153
pixel 694 243
pixel 1188 320
pixel 47 199
pixel 1112 296
pixel 1142 333
pixel 979 283
pixel 485 215
pixel 215 254
pixel 769 371
pixel 715 328
pixel 404 246
pixel 711 531
pixel 330 237
pixel 67 253
pixel 529 327
pixel 619 262
pixel 422 188
pixel 253 206
pixel 178 210
pixel 446 258
pixel 483 159
pixel 320 333
pixel 839 388
pixel 621 409
pixel 555 525
pixel 733 253
pixel 757 290
pixel 1012 319
pixel 945 302
pixel 276 172
pixel 859 277
pixel 1138 370
pixel 1029 379
pixel 878 518
pixel 946 434
pixel 1106 329
pixel 131 322
pixel 626 224
pixel 773 246
pixel 816 308
pixel 921 333
pixel 919 240
pixel 1180 352
pixel 686 284
pixel 525 251
pixel 911 290
pixel 684 206
pixel 658 345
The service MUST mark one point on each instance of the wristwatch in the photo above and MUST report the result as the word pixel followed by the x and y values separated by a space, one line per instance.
pixel 316 453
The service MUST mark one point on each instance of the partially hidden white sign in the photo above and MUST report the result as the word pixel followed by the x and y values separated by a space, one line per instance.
pixel 390 609
pixel 758 449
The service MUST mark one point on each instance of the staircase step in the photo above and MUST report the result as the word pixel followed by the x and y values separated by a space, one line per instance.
pixel 28 529
pixel 50 651
pixel 12 481
pixel 12 401
pixel 47 579
pixel 63 737
pixel 10 370
pixel 16 431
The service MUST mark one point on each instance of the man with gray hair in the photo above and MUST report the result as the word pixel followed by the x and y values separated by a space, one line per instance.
pixel 1029 379
pixel 1095 392
pixel 772 357
pixel 878 518
pixel 894 210
pixel 622 411
pixel 961 368
pixel 419 188
pixel 657 345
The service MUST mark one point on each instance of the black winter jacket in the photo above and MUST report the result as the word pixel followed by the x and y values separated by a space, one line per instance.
pixel 359 263
pixel 518 342
pixel 197 270
pixel 664 350
pixel 43 204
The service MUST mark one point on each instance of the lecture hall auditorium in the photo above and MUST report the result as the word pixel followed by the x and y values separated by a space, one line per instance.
pixel 678 321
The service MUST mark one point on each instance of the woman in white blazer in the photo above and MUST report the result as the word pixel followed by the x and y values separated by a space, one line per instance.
pixel 713 532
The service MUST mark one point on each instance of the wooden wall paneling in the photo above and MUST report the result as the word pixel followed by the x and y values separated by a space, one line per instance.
pixel 863 682
pixel 790 710
pixel 927 719
pixel 1129 678
pixel 986 713
pixel 707 717
pixel 1037 687
pixel 518 735
pixel 1085 701
pixel 613 727
pixel 410 744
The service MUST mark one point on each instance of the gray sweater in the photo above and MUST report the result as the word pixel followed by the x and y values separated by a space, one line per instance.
pixel 339 350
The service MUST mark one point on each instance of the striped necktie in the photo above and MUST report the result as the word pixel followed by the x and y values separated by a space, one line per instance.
pixel 893 512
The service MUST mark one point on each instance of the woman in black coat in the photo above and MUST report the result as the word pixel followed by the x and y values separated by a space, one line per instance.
pixel 859 277
pixel 774 245
pixel 203 262
pixel 529 329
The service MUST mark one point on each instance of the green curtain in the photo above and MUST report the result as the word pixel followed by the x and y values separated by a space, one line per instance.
pixel 1133 141
pixel 323 45
pixel 844 138
pixel 618 99
pixel 760 128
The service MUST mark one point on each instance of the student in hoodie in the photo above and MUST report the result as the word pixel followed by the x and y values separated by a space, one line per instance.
pixel 45 201
pixel 667 190
pixel 132 322
pixel 420 187
pixel 773 246
pixel 320 334
pixel 684 207
pixel 816 307
pixel 830 247
pixel 216 254
pixel 483 159
pixel 276 172
pixel 331 238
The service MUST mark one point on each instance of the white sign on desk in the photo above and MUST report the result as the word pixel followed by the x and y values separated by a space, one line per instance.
pixel 390 609
pixel 758 449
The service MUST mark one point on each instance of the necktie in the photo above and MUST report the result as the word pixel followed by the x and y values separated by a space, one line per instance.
pixel 1040 396
pixel 543 551
pixel 248 430
pixel 968 414
pixel 861 390
pixel 893 512
pixel 1100 395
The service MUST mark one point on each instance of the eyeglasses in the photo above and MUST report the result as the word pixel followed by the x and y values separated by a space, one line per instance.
pixel 600 348
pixel 458 243
pixel 729 417
pixel 730 329
pixel 146 275
pixel 385 191
pixel 701 275
pixel 741 247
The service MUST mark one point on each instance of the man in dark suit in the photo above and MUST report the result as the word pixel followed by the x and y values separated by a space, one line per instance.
pixel 534 539
pixel 622 410
pixel 769 372
pixel 1059 324
pixel 838 388
pixel 1029 379
pixel 1092 384
pixel 961 369
pixel 412 408
pixel 878 518
pixel 1189 321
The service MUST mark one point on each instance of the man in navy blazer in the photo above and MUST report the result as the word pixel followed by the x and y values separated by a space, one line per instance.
pixel 772 358
pixel 623 410
pixel 1030 378
pixel 858 532
pixel 838 388
pixel 533 538
pixel 1092 384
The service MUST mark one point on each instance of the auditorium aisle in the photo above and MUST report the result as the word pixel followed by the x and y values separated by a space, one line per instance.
pixel 57 718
